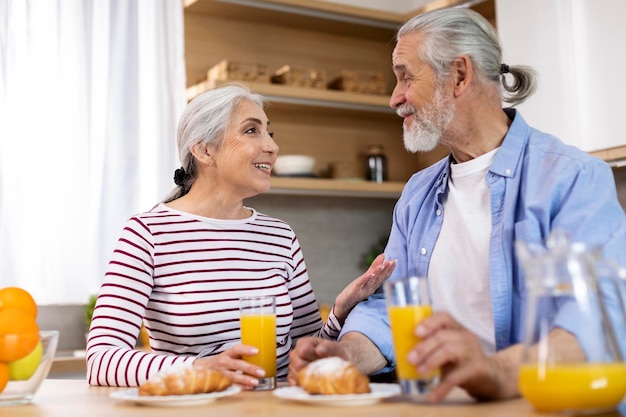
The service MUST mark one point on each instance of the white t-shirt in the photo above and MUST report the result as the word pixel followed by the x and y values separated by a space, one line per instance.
pixel 459 268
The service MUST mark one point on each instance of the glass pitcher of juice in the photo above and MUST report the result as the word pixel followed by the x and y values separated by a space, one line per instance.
pixel 570 287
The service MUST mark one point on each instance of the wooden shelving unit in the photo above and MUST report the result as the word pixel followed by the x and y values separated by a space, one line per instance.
pixel 331 187
pixel 332 126
pixel 321 15
pixel 611 154
pixel 616 157
pixel 276 93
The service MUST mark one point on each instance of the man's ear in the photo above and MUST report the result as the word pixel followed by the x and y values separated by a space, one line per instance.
pixel 463 72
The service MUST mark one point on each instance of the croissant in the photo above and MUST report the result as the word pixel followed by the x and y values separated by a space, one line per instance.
pixel 332 375
pixel 185 380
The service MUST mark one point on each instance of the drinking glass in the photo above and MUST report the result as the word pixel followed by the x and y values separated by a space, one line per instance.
pixel 258 329
pixel 408 303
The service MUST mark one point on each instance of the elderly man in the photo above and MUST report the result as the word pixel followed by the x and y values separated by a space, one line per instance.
pixel 456 221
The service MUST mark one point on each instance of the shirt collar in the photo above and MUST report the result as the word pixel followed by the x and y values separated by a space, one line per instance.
pixel 508 158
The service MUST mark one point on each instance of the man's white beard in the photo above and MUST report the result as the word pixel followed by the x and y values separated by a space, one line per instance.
pixel 428 124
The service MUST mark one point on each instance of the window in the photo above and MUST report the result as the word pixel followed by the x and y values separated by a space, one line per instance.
pixel 90 95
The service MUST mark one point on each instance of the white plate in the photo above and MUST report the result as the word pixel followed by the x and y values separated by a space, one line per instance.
pixel 173 400
pixel 378 393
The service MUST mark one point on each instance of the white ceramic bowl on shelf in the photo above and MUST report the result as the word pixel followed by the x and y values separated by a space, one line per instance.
pixel 26 379
pixel 294 165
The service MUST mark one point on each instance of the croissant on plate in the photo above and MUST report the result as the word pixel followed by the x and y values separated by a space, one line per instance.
pixel 185 380
pixel 332 375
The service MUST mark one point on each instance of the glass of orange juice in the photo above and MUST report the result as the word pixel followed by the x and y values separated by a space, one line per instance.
pixel 258 329
pixel 408 303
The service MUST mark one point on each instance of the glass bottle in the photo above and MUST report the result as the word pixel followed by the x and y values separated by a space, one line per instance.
pixel 375 164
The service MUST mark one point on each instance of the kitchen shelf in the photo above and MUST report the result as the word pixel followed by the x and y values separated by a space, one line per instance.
pixel 327 10
pixel 307 96
pixel 333 187
pixel 616 157
pixel 308 14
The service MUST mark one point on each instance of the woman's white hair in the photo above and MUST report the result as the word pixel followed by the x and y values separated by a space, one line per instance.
pixel 205 121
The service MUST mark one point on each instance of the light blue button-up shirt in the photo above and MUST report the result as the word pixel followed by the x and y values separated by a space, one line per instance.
pixel 537 184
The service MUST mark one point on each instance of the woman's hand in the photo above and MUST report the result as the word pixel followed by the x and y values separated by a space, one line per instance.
pixel 230 362
pixel 362 287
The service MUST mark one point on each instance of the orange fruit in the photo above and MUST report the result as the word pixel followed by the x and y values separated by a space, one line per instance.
pixel 19 334
pixel 15 297
pixel 4 375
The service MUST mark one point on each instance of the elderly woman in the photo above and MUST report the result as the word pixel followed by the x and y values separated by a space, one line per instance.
pixel 181 267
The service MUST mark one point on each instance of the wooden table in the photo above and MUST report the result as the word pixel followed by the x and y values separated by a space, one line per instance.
pixel 68 398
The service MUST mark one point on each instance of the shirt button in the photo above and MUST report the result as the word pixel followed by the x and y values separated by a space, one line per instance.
pixel 507 171
pixel 438 212
pixel 423 251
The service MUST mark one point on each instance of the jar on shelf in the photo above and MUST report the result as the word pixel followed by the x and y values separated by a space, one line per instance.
pixel 375 164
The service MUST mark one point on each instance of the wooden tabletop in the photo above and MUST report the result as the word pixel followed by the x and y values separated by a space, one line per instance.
pixel 63 398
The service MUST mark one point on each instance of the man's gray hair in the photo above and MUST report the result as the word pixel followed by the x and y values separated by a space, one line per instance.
pixel 456 31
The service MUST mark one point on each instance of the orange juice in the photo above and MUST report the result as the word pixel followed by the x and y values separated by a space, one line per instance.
pixel 259 330
pixel 403 321
pixel 586 386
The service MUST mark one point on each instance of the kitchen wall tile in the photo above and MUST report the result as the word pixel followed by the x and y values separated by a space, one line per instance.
pixel 335 234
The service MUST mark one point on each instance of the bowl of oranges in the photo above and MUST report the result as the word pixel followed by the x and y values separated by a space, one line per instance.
pixel 26 353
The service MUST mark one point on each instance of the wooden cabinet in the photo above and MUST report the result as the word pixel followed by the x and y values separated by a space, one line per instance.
pixel 616 156
pixel 335 127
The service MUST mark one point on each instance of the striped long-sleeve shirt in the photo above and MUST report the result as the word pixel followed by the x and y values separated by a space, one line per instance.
pixel 182 276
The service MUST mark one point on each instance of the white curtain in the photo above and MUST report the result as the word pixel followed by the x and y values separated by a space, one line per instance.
pixel 90 94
